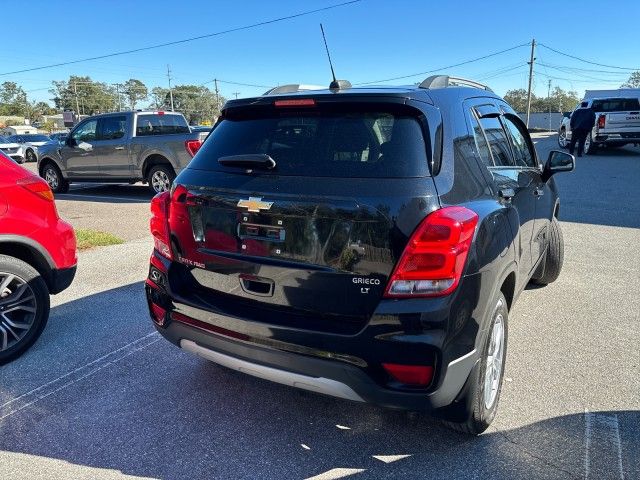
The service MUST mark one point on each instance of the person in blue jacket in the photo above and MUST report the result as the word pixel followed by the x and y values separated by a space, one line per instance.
pixel 582 121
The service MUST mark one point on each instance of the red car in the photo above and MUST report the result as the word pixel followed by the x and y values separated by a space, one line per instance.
pixel 37 257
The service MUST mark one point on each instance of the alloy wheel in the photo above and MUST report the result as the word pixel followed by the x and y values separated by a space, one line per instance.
pixel 587 144
pixel 495 361
pixel 562 139
pixel 51 177
pixel 160 181
pixel 18 309
pixel 31 157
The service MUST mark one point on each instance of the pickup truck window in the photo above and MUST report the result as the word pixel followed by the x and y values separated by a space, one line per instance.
pixel 86 132
pixel 616 105
pixel 166 124
pixel 112 128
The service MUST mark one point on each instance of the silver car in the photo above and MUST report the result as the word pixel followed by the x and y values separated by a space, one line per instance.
pixel 12 150
pixel 30 144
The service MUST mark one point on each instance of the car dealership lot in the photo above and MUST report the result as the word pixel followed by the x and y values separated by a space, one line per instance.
pixel 102 396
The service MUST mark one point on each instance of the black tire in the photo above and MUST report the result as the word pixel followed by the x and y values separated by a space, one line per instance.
pixel 53 176
pixel 593 147
pixel 30 156
pixel 470 413
pixel 160 174
pixel 551 266
pixel 25 273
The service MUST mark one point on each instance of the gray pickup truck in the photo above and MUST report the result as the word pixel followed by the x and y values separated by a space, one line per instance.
pixel 123 147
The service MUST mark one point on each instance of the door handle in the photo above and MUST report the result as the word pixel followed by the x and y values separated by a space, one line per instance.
pixel 538 192
pixel 119 148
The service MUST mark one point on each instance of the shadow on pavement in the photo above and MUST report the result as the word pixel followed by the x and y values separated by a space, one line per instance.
pixel 111 394
pixel 107 193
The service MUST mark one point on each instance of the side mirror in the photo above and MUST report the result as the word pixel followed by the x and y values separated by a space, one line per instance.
pixel 71 142
pixel 558 162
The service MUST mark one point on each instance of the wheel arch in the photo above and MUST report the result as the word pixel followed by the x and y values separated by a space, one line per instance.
pixel 31 252
pixel 155 159
pixel 46 161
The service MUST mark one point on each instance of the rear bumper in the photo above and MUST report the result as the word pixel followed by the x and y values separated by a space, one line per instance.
pixel 61 279
pixel 625 137
pixel 328 377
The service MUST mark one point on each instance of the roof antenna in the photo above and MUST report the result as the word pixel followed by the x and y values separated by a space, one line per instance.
pixel 335 84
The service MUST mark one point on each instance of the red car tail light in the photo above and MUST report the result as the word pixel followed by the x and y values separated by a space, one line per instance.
pixel 158 314
pixel 433 260
pixel 415 375
pixel 193 146
pixel 159 223
pixel 37 186
pixel 601 121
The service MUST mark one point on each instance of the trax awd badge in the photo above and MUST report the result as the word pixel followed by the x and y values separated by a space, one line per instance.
pixel 255 204
pixel 365 281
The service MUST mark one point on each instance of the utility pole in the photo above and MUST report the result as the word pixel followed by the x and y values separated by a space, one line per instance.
pixel 549 102
pixel 215 81
pixel 170 91
pixel 533 49
pixel 75 90
pixel 236 94
pixel 118 95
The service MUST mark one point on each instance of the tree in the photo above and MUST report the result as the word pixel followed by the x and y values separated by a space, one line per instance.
pixel 134 91
pixel 49 126
pixel 195 102
pixel 13 99
pixel 517 99
pixel 84 94
pixel 563 101
pixel 633 81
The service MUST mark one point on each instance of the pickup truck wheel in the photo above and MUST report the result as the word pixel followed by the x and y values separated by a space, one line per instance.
pixel 476 409
pixel 160 178
pixel 550 267
pixel 562 138
pixel 53 176
pixel 24 307
pixel 590 147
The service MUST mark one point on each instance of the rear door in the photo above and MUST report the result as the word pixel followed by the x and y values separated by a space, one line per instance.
pixel 111 147
pixel 510 179
pixel 311 241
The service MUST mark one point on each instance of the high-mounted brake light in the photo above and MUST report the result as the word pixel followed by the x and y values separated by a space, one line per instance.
pixel 297 102
pixel 416 375
pixel 160 113
pixel 37 186
pixel 433 260
pixel 601 121
pixel 159 223
pixel 193 146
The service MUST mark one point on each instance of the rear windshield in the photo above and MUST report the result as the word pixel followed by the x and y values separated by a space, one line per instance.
pixel 155 124
pixel 616 105
pixel 322 143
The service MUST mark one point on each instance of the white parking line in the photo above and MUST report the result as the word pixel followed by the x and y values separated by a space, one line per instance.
pixel 602 442
pixel 51 387
pixel 335 473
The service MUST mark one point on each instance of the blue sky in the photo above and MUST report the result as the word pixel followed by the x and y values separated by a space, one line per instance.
pixel 369 40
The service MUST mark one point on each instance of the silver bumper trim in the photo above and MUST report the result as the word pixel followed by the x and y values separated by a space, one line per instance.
pixel 314 384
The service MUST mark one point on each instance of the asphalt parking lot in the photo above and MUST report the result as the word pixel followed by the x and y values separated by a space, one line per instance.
pixel 101 395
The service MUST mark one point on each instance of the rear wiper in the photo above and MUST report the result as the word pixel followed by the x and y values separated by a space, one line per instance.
pixel 249 160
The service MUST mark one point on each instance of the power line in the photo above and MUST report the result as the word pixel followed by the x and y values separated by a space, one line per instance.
pixel 186 40
pixel 587 61
pixel 238 83
pixel 444 68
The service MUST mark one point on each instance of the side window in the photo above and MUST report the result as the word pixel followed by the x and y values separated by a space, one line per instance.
pixel 112 128
pixel 524 157
pixel 85 132
pixel 498 142
pixel 481 141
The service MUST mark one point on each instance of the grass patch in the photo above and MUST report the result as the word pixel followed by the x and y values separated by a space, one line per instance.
pixel 93 238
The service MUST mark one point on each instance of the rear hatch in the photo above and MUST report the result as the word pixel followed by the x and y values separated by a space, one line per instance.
pixel 296 214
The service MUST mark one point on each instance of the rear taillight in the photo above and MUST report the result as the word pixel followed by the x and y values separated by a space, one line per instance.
pixel 193 146
pixel 433 260
pixel 159 223
pixel 601 121
pixel 414 375
pixel 37 186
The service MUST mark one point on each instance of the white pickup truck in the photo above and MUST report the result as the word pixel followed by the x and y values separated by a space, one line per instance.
pixel 617 122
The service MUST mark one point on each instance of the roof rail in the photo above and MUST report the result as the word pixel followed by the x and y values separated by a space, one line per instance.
pixel 444 81
pixel 292 88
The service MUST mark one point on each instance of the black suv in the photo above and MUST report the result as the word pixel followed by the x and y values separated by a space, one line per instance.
pixel 366 243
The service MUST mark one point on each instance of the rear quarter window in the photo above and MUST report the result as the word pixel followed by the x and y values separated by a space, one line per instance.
pixel 322 143
pixel 616 105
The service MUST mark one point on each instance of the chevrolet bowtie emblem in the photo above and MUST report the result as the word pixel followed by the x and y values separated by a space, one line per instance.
pixel 255 204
